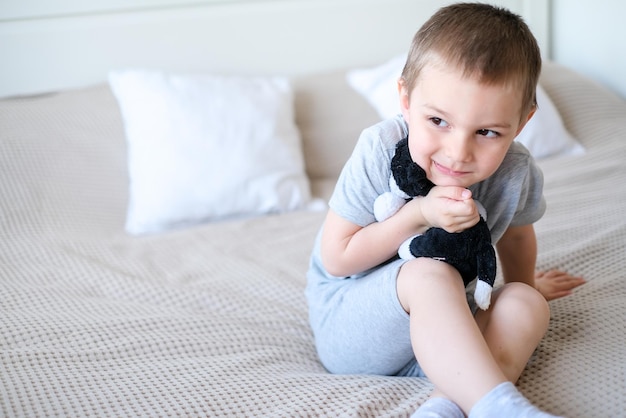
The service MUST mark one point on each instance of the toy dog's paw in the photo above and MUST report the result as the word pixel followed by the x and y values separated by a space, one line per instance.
pixel 405 250
pixel 386 205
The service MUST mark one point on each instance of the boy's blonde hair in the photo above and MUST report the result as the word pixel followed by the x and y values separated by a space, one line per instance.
pixel 484 41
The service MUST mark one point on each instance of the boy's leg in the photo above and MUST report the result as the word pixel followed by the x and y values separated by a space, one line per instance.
pixel 514 326
pixel 449 344
pixel 512 329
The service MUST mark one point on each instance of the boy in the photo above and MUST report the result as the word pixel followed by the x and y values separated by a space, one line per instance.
pixel 467 89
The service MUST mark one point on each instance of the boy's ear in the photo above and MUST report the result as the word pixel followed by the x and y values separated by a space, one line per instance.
pixel 403 95
pixel 524 122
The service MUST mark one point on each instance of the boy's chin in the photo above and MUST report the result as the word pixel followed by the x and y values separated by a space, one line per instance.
pixel 447 182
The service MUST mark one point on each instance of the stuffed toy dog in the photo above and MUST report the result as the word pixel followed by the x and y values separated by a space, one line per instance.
pixel 469 251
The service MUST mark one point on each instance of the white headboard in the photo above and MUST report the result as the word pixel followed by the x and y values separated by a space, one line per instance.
pixel 50 45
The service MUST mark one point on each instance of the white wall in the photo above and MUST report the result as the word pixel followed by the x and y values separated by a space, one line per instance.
pixel 590 37
pixel 47 46
pixel 55 44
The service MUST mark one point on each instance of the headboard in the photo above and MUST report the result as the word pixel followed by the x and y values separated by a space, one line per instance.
pixel 65 44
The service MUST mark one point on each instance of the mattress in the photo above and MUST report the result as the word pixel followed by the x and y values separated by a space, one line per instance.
pixel 211 320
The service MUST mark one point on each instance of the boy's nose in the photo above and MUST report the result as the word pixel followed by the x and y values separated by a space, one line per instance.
pixel 459 147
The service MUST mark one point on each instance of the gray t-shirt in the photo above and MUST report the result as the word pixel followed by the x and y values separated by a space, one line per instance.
pixel 512 196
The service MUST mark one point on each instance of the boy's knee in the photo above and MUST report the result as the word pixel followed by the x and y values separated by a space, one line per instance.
pixel 524 301
pixel 423 277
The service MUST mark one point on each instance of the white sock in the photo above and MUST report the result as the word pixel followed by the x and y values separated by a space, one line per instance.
pixel 506 401
pixel 438 408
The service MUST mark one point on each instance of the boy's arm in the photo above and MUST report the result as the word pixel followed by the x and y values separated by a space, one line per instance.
pixel 349 249
pixel 517 250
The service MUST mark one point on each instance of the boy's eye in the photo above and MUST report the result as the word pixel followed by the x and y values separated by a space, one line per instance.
pixel 488 133
pixel 439 122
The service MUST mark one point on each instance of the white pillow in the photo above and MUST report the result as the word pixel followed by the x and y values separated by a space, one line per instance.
pixel 203 148
pixel 544 135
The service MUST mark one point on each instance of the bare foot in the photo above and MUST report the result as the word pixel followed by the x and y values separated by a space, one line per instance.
pixel 554 284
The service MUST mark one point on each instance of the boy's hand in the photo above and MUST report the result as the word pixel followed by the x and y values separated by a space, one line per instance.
pixel 555 284
pixel 449 207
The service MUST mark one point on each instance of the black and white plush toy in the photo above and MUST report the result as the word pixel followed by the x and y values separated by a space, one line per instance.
pixel 469 251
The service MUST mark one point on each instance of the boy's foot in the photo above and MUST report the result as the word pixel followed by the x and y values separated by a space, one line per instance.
pixel 438 408
pixel 506 401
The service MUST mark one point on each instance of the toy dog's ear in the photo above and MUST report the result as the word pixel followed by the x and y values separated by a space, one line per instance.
pixel 409 176
pixel 400 166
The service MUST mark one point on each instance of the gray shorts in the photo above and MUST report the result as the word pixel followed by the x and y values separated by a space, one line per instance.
pixel 360 326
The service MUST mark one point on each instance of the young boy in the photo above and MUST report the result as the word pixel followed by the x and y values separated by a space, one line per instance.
pixel 467 89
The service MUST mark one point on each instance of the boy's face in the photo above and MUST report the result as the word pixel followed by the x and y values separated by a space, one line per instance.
pixel 459 129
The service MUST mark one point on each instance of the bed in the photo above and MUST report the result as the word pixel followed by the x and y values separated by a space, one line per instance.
pixel 203 314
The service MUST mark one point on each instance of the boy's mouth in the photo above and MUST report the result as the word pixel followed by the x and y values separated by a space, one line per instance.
pixel 448 171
